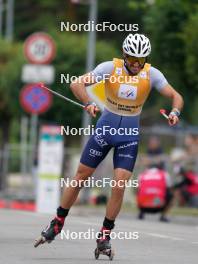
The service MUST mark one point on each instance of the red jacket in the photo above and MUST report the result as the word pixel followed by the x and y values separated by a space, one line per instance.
pixel 193 178
pixel 152 188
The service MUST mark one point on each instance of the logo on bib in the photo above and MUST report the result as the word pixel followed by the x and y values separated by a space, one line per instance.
pixel 143 74
pixel 127 92
pixel 118 71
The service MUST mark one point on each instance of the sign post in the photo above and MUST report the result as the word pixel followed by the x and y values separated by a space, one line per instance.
pixel 34 100
pixel 39 50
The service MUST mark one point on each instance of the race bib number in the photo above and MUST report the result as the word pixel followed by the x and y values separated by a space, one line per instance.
pixel 127 92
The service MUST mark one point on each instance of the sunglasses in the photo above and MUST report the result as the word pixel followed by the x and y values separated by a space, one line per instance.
pixel 132 59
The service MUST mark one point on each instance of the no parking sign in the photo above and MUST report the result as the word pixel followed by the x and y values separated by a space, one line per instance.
pixel 34 99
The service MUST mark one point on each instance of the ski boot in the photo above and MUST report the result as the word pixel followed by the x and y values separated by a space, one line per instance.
pixel 50 232
pixel 103 245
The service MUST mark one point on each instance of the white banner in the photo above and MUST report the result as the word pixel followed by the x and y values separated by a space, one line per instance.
pixel 50 161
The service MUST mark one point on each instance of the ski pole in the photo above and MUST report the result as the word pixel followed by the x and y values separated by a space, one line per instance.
pixel 61 96
pixel 163 112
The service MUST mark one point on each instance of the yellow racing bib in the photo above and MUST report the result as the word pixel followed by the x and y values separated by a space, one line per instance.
pixel 125 94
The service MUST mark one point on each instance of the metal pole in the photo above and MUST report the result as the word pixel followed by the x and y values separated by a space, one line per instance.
pixel 92 36
pixel 5 152
pixel 24 150
pixel 90 60
pixel 1 17
pixel 9 20
pixel 33 139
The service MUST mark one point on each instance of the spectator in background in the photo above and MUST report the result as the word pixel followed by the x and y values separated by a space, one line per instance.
pixel 185 168
pixel 187 154
pixel 154 146
pixel 187 187
pixel 154 192
pixel 191 148
pixel 191 144
pixel 154 153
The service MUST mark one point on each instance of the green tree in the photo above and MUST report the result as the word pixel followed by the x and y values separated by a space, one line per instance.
pixel 165 22
pixel 11 60
pixel 191 64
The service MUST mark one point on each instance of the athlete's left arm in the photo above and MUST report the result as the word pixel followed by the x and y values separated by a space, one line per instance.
pixel 177 103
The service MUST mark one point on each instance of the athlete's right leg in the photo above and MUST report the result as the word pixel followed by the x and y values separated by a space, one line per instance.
pixel 69 196
pixel 93 153
pixel 71 193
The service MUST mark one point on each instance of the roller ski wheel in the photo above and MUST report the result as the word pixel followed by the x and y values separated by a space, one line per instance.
pixel 41 240
pixel 97 253
pixel 107 252
pixel 50 232
pixel 111 254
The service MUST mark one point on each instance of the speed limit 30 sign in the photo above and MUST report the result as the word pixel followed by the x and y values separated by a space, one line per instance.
pixel 39 48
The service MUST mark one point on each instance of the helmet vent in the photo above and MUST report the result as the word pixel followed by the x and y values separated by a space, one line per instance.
pixel 132 50
pixel 135 44
pixel 139 47
pixel 143 45
pixel 145 51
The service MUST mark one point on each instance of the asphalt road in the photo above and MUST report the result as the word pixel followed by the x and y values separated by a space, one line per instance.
pixel 157 243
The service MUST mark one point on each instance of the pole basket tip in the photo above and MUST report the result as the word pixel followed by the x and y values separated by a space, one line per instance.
pixel 162 111
pixel 41 84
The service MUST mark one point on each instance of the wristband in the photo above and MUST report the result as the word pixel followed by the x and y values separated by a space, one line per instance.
pixel 175 112
pixel 90 103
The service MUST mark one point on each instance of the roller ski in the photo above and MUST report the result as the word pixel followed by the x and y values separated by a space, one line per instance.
pixel 104 246
pixel 50 232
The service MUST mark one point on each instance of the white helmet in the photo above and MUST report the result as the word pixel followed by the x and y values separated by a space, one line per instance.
pixel 136 45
